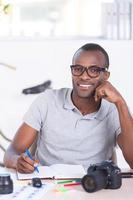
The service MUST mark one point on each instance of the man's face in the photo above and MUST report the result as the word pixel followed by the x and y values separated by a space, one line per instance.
pixel 84 86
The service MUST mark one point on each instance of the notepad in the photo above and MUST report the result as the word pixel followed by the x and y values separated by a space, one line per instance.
pixel 56 171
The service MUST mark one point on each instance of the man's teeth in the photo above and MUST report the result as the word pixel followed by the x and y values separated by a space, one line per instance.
pixel 85 86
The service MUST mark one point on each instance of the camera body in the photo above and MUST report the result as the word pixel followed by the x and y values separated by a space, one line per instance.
pixel 105 175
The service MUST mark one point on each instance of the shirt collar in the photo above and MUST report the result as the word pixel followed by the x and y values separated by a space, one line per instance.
pixel 68 104
pixel 100 114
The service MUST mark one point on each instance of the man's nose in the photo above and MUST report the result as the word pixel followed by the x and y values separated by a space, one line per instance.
pixel 85 75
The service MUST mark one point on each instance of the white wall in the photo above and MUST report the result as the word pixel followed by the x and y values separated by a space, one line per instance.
pixel 39 60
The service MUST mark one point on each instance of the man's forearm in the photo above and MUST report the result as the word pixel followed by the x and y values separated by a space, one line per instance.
pixel 10 158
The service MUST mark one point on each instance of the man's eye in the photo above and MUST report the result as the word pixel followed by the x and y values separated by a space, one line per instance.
pixel 78 69
pixel 94 69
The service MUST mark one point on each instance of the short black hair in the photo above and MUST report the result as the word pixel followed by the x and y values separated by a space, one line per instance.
pixel 94 47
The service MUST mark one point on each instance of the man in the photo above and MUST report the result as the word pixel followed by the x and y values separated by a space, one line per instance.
pixel 76 126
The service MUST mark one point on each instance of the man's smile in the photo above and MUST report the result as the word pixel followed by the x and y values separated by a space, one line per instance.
pixel 85 86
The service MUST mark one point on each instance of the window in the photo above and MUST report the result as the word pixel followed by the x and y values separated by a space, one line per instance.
pixel 60 18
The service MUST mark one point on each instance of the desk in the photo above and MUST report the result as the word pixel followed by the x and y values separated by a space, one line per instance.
pixel 78 193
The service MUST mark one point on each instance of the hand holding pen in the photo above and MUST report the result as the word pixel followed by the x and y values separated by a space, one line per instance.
pixel 27 152
pixel 26 164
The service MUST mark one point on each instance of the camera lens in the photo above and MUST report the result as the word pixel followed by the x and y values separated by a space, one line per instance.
pixel 6 184
pixel 88 183
pixel 94 181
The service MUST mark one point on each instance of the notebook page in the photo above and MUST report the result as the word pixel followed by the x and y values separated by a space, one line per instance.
pixel 44 172
pixel 68 171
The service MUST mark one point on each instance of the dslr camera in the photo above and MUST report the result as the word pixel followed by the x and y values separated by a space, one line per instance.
pixel 104 175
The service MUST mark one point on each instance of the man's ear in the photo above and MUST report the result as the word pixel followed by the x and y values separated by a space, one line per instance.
pixel 106 75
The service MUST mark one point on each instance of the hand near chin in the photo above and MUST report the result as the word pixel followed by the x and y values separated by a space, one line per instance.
pixel 107 91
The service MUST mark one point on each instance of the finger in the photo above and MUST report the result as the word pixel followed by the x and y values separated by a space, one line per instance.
pixel 99 94
pixel 103 94
pixel 33 162
pixel 27 159
pixel 23 165
pixel 21 168
pixel 96 97
pixel 36 161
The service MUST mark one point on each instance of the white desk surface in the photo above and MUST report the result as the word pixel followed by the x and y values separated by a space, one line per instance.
pixel 78 193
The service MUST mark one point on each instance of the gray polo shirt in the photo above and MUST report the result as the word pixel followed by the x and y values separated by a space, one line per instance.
pixel 66 136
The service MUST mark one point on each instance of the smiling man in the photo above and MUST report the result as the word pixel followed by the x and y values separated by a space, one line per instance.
pixel 76 126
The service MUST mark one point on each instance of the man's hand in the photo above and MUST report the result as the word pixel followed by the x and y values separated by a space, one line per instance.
pixel 25 164
pixel 108 92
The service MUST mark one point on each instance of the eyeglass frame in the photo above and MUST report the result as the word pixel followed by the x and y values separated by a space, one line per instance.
pixel 100 69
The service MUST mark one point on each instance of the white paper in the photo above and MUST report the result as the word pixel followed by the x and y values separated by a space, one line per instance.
pixel 55 171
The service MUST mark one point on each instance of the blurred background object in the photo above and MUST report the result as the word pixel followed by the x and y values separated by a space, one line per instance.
pixel 4 140
pixel 7 65
pixel 107 19
pixel 4 7
pixel 117 20
pixel 38 88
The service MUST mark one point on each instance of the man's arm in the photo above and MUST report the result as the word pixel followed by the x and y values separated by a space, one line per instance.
pixel 14 156
pixel 125 139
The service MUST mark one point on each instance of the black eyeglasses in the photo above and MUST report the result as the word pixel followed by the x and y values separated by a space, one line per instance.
pixel 92 71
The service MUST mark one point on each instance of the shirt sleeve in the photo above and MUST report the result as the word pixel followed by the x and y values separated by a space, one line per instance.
pixel 36 114
pixel 116 122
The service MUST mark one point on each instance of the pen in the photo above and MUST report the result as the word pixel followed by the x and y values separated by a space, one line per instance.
pixel 72 184
pixel 67 181
pixel 27 152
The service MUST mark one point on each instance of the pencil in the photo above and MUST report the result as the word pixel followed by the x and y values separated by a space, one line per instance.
pixel 72 184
